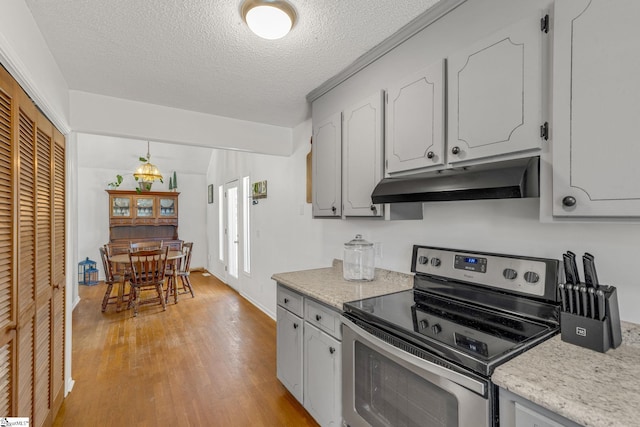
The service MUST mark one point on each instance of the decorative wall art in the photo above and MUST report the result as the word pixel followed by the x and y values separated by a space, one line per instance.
pixel 259 190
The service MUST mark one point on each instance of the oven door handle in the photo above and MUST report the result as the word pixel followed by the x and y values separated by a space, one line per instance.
pixel 375 342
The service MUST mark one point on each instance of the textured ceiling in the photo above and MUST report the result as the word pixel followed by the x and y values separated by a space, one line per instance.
pixel 199 55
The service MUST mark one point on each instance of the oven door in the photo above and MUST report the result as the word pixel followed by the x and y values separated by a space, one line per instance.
pixel 383 385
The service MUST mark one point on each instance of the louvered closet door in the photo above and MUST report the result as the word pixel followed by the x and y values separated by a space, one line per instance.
pixel 26 256
pixel 32 259
pixel 8 319
pixel 43 277
pixel 59 278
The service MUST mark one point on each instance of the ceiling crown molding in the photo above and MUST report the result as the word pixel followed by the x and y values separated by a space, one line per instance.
pixel 412 28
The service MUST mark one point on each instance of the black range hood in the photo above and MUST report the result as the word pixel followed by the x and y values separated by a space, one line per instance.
pixel 497 180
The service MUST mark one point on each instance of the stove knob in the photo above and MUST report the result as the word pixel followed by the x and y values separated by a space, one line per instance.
pixel 509 273
pixel 531 277
pixel 423 259
pixel 436 329
pixel 435 262
pixel 424 324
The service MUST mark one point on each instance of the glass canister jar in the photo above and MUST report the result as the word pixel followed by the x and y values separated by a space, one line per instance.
pixel 359 257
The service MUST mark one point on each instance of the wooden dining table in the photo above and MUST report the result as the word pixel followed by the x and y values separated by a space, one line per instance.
pixel 172 257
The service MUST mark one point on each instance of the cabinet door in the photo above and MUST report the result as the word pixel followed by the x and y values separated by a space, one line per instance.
pixel 168 207
pixel 145 207
pixel 121 207
pixel 362 156
pixel 289 352
pixel 327 167
pixel 322 376
pixel 596 99
pixel 415 121
pixel 495 94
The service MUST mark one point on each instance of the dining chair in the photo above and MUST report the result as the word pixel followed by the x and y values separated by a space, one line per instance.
pixel 147 273
pixel 146 245
pixel 183 265
pixel 110 279
pixel 183 270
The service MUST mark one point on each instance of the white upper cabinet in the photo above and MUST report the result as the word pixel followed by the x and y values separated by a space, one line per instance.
pixel 362 130
pixel 596 105
pixel 495 94
pixel 415 121
pixel 327 167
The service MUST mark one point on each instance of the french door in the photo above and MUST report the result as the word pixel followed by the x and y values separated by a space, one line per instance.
pixel 232 240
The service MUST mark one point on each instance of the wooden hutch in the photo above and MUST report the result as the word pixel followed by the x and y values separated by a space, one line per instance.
pixel 146 215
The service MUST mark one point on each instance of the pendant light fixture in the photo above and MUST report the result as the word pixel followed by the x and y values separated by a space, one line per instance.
pixel 147 172
pixel 269 19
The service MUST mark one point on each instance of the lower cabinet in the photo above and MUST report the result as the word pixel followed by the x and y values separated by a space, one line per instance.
pixel 322 376
pixel 289 348
pixel 309 355
pixel 519 412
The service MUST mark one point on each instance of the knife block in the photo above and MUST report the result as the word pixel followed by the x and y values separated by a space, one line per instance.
pixel 594 334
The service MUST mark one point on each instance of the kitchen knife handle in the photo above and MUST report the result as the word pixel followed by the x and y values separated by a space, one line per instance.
pixel 584 299
pixel 563 296
pixel 574 267
pixel 592 303
pixel 601 309
pixel 569 288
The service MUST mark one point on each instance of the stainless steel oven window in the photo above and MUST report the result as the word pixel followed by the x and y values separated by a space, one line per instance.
pixel 388 394
pixel 376 392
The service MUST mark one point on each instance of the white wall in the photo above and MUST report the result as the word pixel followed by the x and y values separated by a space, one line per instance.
pixel 24 53
pixel 284 240
pixel 97 156
pixel 104 115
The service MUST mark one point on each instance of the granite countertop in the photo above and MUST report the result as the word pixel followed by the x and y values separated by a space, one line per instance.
pixel 587 387
pixel 328 286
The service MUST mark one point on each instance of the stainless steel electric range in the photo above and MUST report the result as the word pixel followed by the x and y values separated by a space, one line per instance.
pixel 424 357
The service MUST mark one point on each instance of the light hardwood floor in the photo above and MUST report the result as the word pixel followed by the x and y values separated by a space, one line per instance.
pixel 207 361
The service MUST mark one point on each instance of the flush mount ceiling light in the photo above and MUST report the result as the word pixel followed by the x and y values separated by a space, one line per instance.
pixel 269 19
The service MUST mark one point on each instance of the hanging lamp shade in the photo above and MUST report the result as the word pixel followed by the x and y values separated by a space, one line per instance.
pixel 147 172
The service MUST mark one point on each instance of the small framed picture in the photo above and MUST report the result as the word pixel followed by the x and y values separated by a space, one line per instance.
pixel 259 190
pixel 210 193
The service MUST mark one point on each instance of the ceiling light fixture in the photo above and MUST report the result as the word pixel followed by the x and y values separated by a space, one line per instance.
pixel 147 172
pixel 269 19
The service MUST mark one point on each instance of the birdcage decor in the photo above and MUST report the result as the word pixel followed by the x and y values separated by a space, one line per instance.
pixel 87 272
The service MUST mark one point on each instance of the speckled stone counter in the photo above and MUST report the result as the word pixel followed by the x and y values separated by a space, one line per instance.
pixel 590 388
pixel 327 285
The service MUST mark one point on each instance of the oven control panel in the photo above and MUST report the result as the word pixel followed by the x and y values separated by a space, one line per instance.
pixel 511 273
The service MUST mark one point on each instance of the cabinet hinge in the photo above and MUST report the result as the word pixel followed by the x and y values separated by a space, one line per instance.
pixel 544 24
pixel 544 131
pixel 225 268
pixel 386 164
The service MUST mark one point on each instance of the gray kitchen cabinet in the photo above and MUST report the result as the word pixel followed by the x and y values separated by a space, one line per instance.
pixel 494 89
pixel 322 373
pixel 362 154
pixel 327 167
pixel 415 121
pixel 596 99
pixel 323 363
pixel 517 411
pixel 289 347
pixel 309 354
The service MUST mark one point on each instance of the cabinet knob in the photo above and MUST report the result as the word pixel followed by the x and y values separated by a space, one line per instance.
pixel 318 317
pixel 430 155
pixel 286 300
pixel 569 201
pixel 332 350
pixel 333 209
pixel 374 208
pixel 295 326
pixel 455 150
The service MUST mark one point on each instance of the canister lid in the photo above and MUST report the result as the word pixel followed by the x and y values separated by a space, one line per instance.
pixel 358 242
